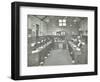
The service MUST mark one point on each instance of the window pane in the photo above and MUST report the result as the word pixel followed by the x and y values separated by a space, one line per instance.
pixel 60 20
pixel 60 24
pixel 64 20
pixel 64 24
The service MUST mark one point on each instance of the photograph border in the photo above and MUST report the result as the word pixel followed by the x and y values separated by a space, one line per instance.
pixel 15 39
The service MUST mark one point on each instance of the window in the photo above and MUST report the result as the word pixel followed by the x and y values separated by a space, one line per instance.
pixel 62 22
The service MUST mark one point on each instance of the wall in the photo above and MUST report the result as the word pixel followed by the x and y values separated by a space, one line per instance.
pixel 73 30
pixel 32 21
pixel 83 26
pixel 53 26
pixel 5 41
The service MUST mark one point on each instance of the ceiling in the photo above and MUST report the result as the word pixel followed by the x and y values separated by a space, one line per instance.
pixel 69 19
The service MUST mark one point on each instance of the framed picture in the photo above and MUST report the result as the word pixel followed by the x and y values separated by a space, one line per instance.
pixel 53 40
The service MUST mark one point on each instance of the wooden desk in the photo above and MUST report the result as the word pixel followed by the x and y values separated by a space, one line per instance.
pixel 74 51
pixel 37 56
pixel 60 45
pixel 79 55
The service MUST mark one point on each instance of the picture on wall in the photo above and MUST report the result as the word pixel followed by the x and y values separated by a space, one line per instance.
pixel 57 40
pixel 53 40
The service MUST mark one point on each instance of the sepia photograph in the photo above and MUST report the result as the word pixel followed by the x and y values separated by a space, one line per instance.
pixel 57 40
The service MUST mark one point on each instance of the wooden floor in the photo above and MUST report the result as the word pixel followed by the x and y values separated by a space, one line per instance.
pixel 58 57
